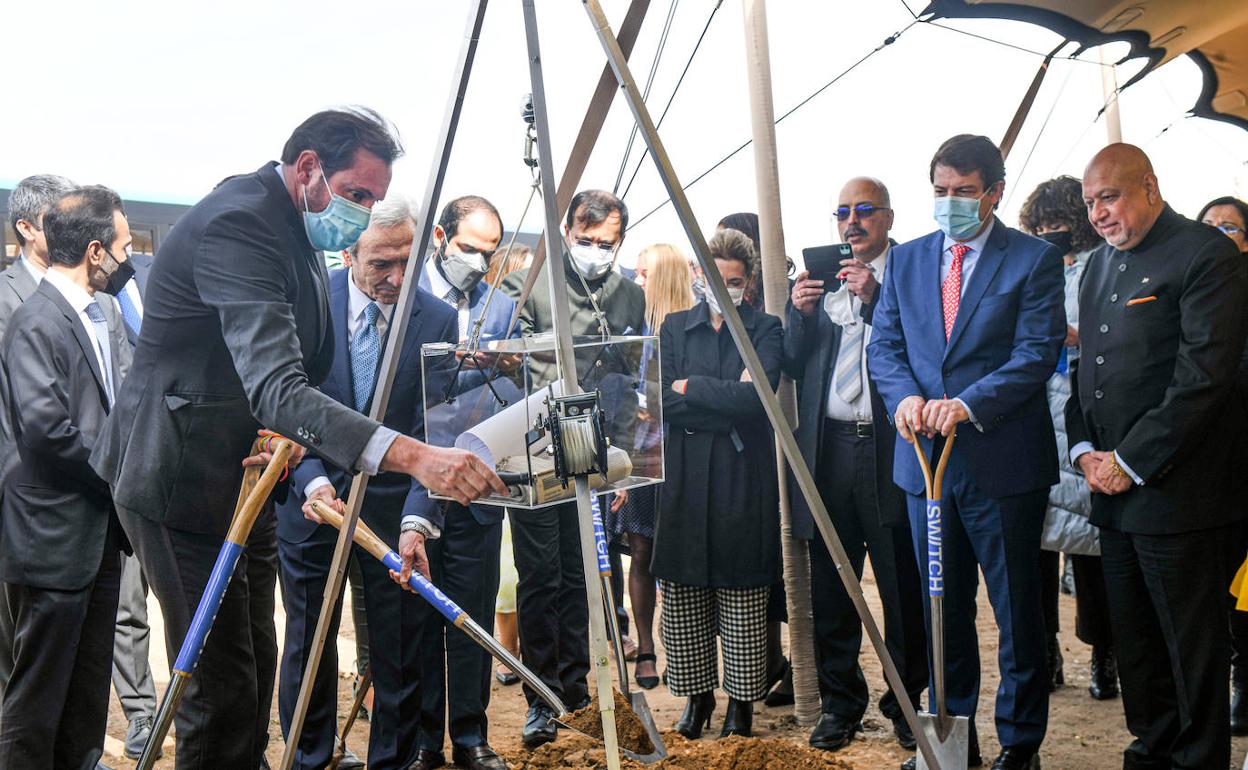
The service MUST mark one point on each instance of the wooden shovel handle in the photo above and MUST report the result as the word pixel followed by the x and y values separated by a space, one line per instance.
pixel 934 481
pixel 258 485
pixel 364 537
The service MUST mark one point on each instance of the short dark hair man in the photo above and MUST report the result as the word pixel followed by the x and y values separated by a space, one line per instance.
pixel 1155 426
pixel 968 329
pixel 845 435
pixel 554 624
pixel 60 541
pixel 236 334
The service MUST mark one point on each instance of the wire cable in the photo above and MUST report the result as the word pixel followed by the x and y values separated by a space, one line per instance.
pixel 672 98
pixel 887 42
pixel 987 39
pixel 645 95
pixel 1052 107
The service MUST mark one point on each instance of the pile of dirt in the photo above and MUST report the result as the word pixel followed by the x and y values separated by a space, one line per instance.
pixel 629 731
pixel 734 753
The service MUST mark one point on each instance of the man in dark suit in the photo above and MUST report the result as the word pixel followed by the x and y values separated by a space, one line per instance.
pixel 361 304
pixel 1155 427
pixel 60 541
pixel 845 433
pixel 465 560
pixel 236 333
pixel 968 329
pixel 550 596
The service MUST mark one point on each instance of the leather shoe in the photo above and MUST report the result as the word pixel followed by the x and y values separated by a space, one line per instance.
pixel 696 716
pixel 738 719
pixel 905 736
pixel 350 761
pixel 1104 675
pixel 477 758
pixel 139 730
pixel 1239 709
pixel 834 731
pixel 538 727
pixel 1017 758
pixel 427 760
pixel 1057 676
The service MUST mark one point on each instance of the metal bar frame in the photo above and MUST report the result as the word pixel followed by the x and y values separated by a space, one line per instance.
pixel 381 393
pixel 771 404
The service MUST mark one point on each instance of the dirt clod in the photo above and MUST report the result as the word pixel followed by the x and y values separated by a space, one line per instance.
pixel 629 731
pixel 734 753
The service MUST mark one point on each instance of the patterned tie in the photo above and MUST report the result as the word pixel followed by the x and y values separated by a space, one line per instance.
pixel 951 289
pixel 848 373
pixel 456 298
pixel 102 345
pixel 129 313
pixel 365 350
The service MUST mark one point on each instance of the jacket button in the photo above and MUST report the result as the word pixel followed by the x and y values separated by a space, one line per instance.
pixel 1104 328
pixel 948 372
pixel 1113 297
pixel 1099 394
pixel 1122 268
pixel 1100 360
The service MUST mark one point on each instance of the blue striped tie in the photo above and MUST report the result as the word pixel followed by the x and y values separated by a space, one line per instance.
pixel 129 313
pixel 365 350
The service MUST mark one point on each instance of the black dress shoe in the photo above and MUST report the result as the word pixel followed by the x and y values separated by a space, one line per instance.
pixel 350 761
pixel 645 682
pixel 1057 677
pixel 697 715
pixel 1017 758
pixel 477 758
pixel 739 719
pixel 834 731
pixel 782 693
pixel 427 760
pixel 538 729
pixel 1239 709
pixel 905 736
pixel 1104 674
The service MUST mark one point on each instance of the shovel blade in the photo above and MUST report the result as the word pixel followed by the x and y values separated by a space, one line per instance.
pixel 642 710
pixel 952 748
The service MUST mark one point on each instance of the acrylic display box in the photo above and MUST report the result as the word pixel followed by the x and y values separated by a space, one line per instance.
pixel 492 404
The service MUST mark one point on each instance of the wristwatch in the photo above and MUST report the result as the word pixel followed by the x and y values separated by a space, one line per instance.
pixel 416 525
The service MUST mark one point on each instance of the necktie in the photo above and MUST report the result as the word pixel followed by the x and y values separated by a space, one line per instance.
pixel 102 345
pixel 848 372
pixel 456 299
pixel 365 350
pixel 129 313
pixel 951 289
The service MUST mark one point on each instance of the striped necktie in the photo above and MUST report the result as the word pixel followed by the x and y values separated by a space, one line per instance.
pixel 365 350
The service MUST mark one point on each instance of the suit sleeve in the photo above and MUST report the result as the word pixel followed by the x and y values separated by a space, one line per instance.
pixel 1210 345
pixel 799 341
pixel 1039 329
pixel 417 502
pixel 514 286
pixel 241 274
pixel 887 359
pixel 37 373
pixel 117 331
pixel 733 398
pixel 677 411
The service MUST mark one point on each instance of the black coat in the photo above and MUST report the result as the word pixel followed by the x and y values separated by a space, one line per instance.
pixel 1161 333
pixel 811 345
pixel 718 523
pixel 236 334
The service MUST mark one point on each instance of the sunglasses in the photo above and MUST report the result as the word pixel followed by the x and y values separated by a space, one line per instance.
pixel 863 210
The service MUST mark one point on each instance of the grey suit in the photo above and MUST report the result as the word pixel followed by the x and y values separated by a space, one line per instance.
pixel 16 286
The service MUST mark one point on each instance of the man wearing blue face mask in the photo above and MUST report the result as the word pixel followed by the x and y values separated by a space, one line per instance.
pixel 969 326
pixel 235 336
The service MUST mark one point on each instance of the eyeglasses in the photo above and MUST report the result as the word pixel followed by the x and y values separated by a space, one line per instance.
pixel 863 210
pixel 1229 229
pixel 585 243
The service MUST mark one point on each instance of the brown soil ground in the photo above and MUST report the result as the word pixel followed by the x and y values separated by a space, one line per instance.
pixel 1083 733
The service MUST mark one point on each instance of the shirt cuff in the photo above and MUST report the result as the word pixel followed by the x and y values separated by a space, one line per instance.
pixel 971 415
pixel 314 485
pixel 1123 464
pixel 436 533
pixel 1079 450
pixel 375 450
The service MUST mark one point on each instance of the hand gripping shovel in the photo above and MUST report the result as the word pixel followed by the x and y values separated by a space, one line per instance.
pixel 947 734
pixel 635 699
pixel 255 490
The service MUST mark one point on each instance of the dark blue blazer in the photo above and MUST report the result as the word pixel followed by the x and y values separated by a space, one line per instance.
pixel 390 496
pixel 1003 347
pixel 494 327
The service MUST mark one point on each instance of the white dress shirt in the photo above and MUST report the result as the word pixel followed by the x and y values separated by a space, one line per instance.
pixel 441 288
pixel 843 308
pixel 80 299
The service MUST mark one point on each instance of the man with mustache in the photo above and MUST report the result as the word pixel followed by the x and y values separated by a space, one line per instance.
pixel 845 433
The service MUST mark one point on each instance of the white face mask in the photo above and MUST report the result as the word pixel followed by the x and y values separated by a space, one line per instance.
pixel 591 261
pixel 736 294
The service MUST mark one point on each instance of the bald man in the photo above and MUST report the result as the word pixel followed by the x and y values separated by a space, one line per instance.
pixel 1154 428
pixel 846 437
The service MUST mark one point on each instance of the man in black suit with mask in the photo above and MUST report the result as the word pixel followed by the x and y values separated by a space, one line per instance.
pixel 236 333
pixel 60 542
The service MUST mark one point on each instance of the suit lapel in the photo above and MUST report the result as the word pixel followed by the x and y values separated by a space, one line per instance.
pixel 928 301
pixel 21 281
pixel 80 333
pixel 986 267
pixel 410 340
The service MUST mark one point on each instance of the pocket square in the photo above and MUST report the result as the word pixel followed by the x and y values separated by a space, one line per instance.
pixel 1141 300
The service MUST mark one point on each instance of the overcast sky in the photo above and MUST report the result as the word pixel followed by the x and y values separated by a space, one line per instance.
pixel 161 100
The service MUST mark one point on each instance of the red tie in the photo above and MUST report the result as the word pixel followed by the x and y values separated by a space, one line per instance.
pixel 951 289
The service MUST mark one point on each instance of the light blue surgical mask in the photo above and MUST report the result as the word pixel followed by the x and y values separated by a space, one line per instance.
pixel 957 217
pixel 339 226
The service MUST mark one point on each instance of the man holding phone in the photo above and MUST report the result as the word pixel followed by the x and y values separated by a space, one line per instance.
pixel 845 433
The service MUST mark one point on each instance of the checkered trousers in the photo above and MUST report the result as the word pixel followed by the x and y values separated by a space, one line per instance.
pixel 691 618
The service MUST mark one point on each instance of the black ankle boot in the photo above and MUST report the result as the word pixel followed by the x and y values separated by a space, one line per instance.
pixel 1104 684
pixel 1057 677
pixel 1239 709
pixel 739 720
pixel 697 716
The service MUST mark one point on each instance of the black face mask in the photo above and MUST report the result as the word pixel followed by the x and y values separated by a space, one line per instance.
pixel 117 280
pixel 1059 238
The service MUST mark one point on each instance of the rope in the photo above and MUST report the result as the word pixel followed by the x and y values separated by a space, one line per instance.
pixel 1039 134
pixel 645 96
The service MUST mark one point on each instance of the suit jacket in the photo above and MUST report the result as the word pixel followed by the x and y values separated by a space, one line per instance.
pixel 1155 379
pixel 1003 347
pixel 390 496
pixel 236 334
pixel 811 346
pixel 56 509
